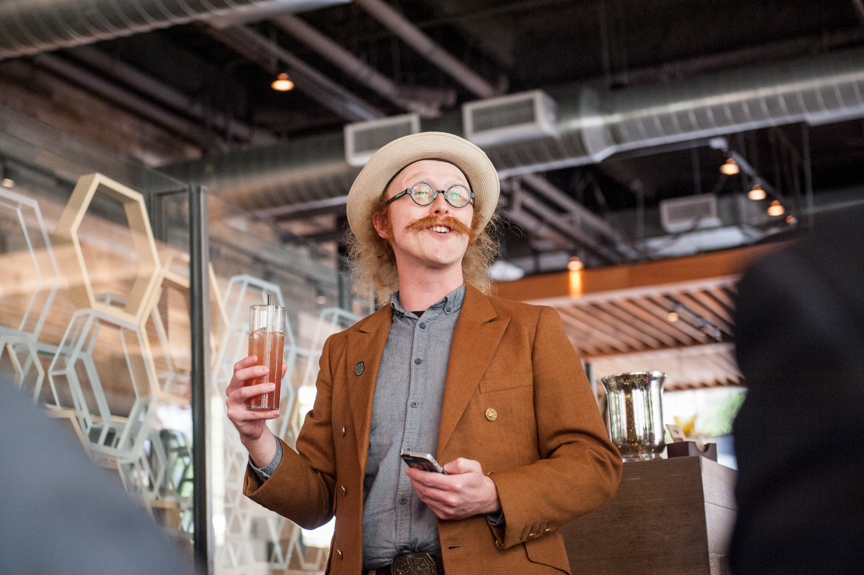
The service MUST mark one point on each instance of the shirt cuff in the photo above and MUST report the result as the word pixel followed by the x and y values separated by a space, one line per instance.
pixel 264 473
pixel 497 518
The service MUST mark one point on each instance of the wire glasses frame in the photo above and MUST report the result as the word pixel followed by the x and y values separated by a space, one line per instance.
pixel 423 194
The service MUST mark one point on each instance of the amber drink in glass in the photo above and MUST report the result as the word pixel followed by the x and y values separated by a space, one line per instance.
pixel 266 343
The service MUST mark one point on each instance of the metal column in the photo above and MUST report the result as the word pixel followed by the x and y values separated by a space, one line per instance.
pixel 199 311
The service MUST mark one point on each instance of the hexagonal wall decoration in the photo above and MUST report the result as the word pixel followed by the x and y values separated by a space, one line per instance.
pixel 75 382
pixel 75 269
pixel 33 278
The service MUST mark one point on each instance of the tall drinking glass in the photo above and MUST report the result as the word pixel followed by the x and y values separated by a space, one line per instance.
pixel 267 342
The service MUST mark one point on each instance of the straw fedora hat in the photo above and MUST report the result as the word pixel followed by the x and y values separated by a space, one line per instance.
pixel 390 159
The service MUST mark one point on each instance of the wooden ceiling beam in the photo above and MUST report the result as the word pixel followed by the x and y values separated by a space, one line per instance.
pixel 706 271
pixel 623 341
pixel 638 323
pixel 659 323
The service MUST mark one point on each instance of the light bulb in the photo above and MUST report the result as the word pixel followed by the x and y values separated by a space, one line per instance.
pixel 730 168
pixel 672 316
pixel 776 209
pixel 282 83
pixel 756 193
pixel 575 264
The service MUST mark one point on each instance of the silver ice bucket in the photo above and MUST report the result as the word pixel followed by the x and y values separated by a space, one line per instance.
pixel 635 403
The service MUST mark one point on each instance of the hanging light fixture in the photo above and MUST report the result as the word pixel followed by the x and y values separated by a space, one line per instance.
pixel 730 168
pixel 756 193
pixel 776 209
pixel 7 177
pixel 282 83
pixel 575 264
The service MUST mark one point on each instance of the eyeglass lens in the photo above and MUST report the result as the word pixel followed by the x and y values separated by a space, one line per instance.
pixel 424 194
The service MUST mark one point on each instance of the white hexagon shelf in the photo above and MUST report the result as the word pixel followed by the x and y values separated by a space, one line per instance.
pixel 31 282
pixel 75 380
pixel 75 268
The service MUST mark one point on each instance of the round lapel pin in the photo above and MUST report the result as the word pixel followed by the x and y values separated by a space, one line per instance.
pixel 358 369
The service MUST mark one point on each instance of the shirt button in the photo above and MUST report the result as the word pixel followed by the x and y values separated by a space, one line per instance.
pixel 413 404
pixel 422 325
pixel 418 361
pixel 447 310
pixel 403 501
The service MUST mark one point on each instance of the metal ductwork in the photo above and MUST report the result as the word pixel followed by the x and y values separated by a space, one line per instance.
pixel 590 127
pixel 31 26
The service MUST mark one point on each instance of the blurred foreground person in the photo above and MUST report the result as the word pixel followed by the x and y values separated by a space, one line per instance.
pixel 62 515
pixel 800 432
pixel 492 388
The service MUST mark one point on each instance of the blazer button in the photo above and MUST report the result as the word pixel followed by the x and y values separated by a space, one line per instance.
pixel 339 554
pixel 491 414
pixel 531 536
pixel 343 490
pixel 343 432
pixel 499 544
pixel 547 531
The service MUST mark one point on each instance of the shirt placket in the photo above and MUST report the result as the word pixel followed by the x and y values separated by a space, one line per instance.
pixel 414 414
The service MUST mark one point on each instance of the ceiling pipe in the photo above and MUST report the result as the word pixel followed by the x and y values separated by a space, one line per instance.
pixel 417 39
pixel 590 127
pixel 169 96
pixel 29 27
pixel 356 68
pixel 313 83
pixel 177 124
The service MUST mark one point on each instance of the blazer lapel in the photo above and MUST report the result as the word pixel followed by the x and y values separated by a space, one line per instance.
pixel 475 339
pixel 366 345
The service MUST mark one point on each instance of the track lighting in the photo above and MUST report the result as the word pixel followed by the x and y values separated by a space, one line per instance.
pixel 730 168
pixel 776 209
pixel 756 193
pixel 282 83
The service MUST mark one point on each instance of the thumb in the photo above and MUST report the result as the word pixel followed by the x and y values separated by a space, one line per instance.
pixel 462 465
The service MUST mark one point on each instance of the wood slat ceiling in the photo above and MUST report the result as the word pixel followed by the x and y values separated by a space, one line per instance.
pixel 618 318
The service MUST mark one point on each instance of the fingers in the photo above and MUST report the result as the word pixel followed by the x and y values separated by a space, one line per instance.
pixel 284 368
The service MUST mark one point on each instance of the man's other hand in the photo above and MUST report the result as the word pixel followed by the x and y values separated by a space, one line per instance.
pixel 462 493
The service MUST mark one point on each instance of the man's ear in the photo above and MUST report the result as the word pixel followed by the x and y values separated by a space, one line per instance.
pixel 379 222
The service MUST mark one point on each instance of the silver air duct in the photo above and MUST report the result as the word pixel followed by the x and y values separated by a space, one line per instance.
pixel 590 127
pixel 31 26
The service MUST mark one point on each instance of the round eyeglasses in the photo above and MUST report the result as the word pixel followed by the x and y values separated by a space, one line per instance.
pixel 424 194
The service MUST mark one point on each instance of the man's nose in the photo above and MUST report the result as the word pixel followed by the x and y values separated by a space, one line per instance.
pixel 439 205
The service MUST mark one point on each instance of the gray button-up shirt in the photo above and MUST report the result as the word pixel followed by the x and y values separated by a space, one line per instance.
pixel 406 414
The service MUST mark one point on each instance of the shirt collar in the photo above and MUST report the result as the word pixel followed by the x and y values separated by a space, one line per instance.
pixel 450 303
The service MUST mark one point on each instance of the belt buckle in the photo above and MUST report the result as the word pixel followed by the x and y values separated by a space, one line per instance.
pixel 413 564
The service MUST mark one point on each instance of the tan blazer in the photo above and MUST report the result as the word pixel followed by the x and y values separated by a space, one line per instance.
pixel 545 444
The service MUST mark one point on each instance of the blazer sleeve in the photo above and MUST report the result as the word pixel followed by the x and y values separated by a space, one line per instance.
pixel 579 468
pixel 302 487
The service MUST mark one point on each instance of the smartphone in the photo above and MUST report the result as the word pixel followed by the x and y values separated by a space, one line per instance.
pixel 424 461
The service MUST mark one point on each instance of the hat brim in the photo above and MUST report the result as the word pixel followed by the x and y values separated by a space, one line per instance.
pixel 389 160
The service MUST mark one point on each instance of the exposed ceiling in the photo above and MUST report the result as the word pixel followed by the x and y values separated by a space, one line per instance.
pixel 205 82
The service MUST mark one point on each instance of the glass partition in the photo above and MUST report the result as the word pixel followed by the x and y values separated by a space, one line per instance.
pixel 95 325
pixel 88 326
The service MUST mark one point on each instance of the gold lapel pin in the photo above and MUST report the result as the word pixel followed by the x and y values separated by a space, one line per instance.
pixel 491 414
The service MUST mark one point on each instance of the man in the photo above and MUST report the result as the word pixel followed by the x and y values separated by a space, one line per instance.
pixel 800 346
pixel 492 388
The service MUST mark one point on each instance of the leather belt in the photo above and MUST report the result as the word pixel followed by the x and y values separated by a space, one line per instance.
pixel 410 564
